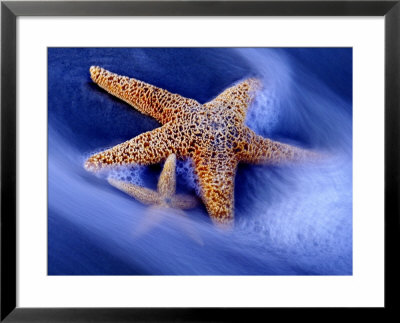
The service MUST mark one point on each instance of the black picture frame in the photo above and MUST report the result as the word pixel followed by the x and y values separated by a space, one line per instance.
pixel 10 10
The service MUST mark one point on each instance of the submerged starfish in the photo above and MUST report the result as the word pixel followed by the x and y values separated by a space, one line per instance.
pixel 213 135
pixel 165 196
pixel 162 200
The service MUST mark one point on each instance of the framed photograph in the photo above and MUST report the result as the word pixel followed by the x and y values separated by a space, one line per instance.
pixel 198 161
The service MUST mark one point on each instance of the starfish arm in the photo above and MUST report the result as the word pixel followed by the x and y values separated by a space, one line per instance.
pixel 148 99
pixel 148 148
pixel 183 201
pixel 258 150
pixel 238 97
pixel 216 180
pixel 167 182
pixel 142 194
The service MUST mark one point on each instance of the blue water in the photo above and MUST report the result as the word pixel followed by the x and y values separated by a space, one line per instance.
pixel 291 220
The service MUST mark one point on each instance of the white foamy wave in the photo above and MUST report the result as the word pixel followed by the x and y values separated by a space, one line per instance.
pixel 185 172
pixel 133 174
pixel 264 112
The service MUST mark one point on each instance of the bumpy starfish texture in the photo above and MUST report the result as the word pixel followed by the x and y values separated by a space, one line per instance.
pixel 213 135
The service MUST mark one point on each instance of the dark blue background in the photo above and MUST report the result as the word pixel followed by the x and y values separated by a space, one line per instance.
pixel 315 112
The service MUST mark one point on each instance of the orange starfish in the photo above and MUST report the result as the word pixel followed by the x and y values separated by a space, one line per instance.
pixel 213 135
pixel 163 201
pixel 165 196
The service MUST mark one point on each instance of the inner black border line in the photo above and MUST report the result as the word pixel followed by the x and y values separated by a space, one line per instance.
pixel 10 10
